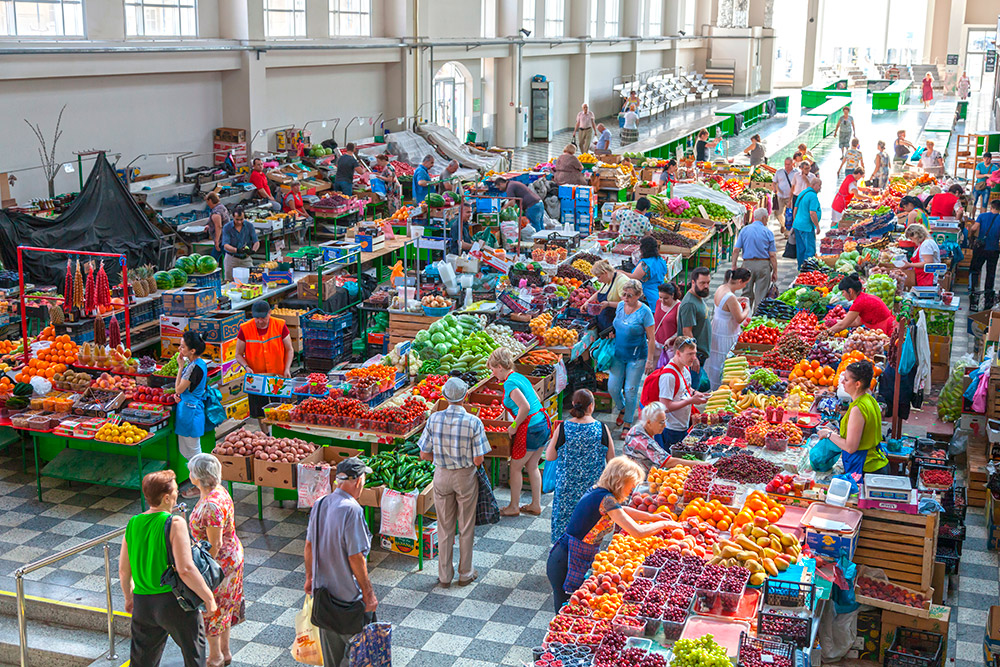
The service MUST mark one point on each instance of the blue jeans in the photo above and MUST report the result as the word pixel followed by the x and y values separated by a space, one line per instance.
pixel 538 436
pixel 534 215
pixel 805 246
pixel 344 187
pixel 555 569
pixel 625 377
pixel 983 195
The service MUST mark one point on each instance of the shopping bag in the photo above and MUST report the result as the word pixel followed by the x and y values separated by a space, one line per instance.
pixel 215 414
pixel 372 647
pixel 399 514
pixel 306 647
pixel 487 510
pixel 313 483
pixel 550 474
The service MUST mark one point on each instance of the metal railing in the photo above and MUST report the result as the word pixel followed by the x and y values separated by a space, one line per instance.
pixel 22 621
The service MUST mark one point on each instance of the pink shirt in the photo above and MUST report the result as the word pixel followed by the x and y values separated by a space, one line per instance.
pixel 585 120
pixel 663 330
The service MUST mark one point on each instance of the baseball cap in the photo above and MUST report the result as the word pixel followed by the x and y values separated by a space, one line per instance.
pixel 260 309
pixel 352 468
pixel 454 390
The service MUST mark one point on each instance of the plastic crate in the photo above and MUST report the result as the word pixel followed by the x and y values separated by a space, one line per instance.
pixel 323 334
pixel 336 323
pixel 786 626
pixel 907 642
pixel 789 594
pixel 769 647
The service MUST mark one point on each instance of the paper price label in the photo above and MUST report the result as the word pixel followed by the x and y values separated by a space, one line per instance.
pixel 701 209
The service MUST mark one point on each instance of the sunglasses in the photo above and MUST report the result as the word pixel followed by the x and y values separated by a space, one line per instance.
pixel 680 342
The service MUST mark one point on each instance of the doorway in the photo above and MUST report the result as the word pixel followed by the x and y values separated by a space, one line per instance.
pixel 452 92
pixel 979 41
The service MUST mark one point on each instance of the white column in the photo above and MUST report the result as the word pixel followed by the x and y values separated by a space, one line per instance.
pixel 104 20
pixel 812 44
pixel 234 20
pixel 318 19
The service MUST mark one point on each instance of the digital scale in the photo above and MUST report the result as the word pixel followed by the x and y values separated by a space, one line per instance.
pixel 930 292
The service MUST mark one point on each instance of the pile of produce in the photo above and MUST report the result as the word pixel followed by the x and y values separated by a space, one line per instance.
pixel 760 335
pixel 773 308
pixel 746 468
pixel 882 286
pixel 871 342
pixel 881 589
pixel 399 469
pixel 668 237
pixel 262 446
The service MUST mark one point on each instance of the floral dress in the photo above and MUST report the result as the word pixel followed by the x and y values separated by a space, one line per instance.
pixel 581 462
pixel 883 170
pixel 217 511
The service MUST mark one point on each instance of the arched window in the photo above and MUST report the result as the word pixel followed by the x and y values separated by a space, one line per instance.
pixel 452 98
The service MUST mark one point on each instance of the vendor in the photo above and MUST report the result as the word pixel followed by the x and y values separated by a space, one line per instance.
pixel 596 514
pixel 452 184
pixel 263 188
pixel 347 166
pixel 633 222
pixel 928 252
pixel 651 269
pixel 386 173
pixel 238 240
pixel 531 203
pixel 293 200
pixel 866 310
pixel 756 150
pixel 189 386
pixel 860 435
pixel 218 217
pixel 931 161
pixel 947 204
pixel 264 346
pixel 422 180
pixel 610 293
pixel 567 168
pixel 669 175
pixel 846 193
pixel 913 209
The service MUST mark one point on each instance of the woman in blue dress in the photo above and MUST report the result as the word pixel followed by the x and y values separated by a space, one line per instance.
pixel 189 385
pixel 582 446
pixel 651 270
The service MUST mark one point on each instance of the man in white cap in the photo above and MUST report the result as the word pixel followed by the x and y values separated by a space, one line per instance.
pixel 455 441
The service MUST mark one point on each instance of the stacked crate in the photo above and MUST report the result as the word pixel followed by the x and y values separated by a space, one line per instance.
pixel 325 341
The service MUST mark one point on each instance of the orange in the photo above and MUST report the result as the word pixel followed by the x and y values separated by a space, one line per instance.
pixel 722 525
pixel 773 516
pixel 672 499
pixel 718 515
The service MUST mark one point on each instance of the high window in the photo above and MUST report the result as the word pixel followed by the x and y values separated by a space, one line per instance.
pixel 690 9
pixel 528 16
pixel 612 18
pixel 555 18
pixel 284 18
pixel 161 18
pixel 654 21
pixel 350 18
pixel 41 18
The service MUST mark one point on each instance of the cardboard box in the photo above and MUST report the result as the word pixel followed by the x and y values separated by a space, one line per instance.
pixel 236 468
pixel 232 390
pixel 173 326
pixel 991 636
pixel 232 372
pixel 940 349
pixel 371 496
pixel 308 287
pixel 169 345
pixel 992 523
pixel 985 325
pixel 891 621
pixel 221 352
pixel 407 547
pixel 869 633
pixel 238 409
pixel 331 455
pixel 831 544
pixel 275 474
pixel 190 301
pixel 218 325
pixel 230 134
pixel 939 373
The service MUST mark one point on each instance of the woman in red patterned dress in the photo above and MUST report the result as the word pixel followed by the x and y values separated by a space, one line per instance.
pixel 213 519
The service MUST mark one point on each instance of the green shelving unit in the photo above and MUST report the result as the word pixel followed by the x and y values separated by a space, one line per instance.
pixel 829 112
pixel 892 96
pixel 752 112
pixel 816 94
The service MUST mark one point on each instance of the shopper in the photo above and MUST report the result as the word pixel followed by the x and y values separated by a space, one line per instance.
pixel 901 147
pixel 651 269
pixel 602 146
pixel 264 346
pixel 347 166
pixel 866 310
pixel 927 252
pixel 293 200
pixel 702 145
pixel 631 102
pixel 630 130
pixel 669 174
pixel 727 320
pixel 189 387
pixel 947 204
pixel 610 293
pixel 880 172
pixel 931 161
pixel 387 174
pixel 853 159
pixel 455 441
pixel 860 435
pixel 595 515
pixel 913 210
pixel 635 352
pixel 677 392
pixel 845 194
pixel 531 203
pixel 985 250
pixel 806 223
pixel 804 152
pixel 523 404
pixel 239 240
pixel 213 519
pixel 580 447
pixel 142 561
pixel 783 180
pixel 927 89
pixel 335 554
pixel 585 124
pixel 760 256
pixel 981 188
pixel 665 319
pixel 845 130
pixel 644 441
pixel 422 180
pixel 964 86
pixel 693 322
pixel 756 150
pixel 263 188
pixel 633 222
pixel 218 217
pixel 802 182
pixel 567 168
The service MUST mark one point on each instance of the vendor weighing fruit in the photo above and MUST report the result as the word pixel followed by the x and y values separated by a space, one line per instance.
pixel 866 309
pixel 264 347
pixel 860 437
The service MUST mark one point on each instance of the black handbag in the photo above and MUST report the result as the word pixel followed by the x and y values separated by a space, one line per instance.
pixel 329 613
pixel 208 567
pixel 789 252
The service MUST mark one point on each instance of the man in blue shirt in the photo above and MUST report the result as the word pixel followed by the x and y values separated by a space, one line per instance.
pixel 603 144
pixel 806 222
pixel 422 179
pixel 981 189
pixel 760 257
pixel 239 239
pixel 985 250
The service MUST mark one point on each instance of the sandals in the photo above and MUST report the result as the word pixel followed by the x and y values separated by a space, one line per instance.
pixel 504 512
pixel 621 418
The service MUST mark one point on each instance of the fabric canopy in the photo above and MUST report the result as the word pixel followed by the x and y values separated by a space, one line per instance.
pixel 103 218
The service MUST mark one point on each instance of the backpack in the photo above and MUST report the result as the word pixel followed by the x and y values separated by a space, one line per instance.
pixel 651 387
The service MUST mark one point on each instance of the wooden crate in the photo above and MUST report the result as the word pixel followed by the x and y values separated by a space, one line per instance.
pixel 976 473
pixel 993 395
pixel 404 326
pixel 903 545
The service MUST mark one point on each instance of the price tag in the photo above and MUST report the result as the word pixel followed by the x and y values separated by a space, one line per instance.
pixel 279 244
pixel 701 209
pixel 766 658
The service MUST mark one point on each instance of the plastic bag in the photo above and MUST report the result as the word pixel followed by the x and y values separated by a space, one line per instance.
pixel 950 401
pixel 603 353
pixel 837 633
pixel 399 514
pixel 372 647
pixel 313 483
pixel 550 474
pixel 306 647
pixel 823 455
pixel 908 357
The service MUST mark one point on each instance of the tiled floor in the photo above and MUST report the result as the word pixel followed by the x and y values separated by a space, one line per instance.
pixel 496 620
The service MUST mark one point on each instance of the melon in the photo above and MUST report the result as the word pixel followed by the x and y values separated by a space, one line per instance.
pixel 163 280
pixel 178 277
pixel 185 264
pixel 206 264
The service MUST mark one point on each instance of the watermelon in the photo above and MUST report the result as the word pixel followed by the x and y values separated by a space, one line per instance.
pixel 185 264
pixel 206 264
pixel 195 257
pixel 178 277
pixel 163 280
pixel 435 200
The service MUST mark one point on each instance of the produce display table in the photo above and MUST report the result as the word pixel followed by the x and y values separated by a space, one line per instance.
pixel 751 112
pixel 892 96
pixel 816 94
pixel 666 144
pixel 830 112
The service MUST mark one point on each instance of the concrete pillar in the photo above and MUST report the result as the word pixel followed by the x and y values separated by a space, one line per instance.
pixel 255 20
pixel 244 97
pixel 318 20
pixel 105 21
pixel 809 57
pixel 673 18
pixel 632 18
pixel 234 20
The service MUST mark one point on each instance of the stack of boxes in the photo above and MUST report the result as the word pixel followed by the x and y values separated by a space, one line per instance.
pixel 230 140
pixel 577 204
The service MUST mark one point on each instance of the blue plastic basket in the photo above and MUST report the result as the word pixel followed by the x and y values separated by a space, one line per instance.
pixel 436 312
pixel 338 323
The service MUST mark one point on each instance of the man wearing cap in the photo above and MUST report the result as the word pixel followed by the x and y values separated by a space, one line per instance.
pixel 455 441
pixel 337 544
pixel 264 346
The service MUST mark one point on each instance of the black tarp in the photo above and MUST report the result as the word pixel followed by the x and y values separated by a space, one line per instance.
pixel 103 218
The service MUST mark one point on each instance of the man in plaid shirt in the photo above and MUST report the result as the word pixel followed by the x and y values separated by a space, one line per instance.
pixel 456 442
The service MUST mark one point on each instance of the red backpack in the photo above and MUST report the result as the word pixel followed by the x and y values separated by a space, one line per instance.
pixel 651 387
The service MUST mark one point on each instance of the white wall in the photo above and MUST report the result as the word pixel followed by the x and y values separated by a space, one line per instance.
pixel 556 70
pixel 604 68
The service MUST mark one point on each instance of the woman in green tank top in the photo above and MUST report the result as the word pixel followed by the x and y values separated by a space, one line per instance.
pixel 860 435
pixel 141 563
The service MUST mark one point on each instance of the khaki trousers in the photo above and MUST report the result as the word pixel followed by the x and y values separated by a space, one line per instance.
pixel 760 280
pixel 455 495
pixel 585 136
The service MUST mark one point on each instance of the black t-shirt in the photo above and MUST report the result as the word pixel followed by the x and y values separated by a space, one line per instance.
pixel 195 377
pixel 345 167
pixel 701 150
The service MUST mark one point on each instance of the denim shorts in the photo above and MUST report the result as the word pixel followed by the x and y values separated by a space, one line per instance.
pixel 538 436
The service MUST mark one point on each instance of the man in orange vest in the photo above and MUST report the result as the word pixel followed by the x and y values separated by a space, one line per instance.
pixel 264 346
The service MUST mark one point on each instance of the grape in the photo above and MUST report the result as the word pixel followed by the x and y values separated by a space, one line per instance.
pixel 701 652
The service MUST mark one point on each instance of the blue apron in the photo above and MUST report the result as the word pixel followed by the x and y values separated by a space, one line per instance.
pixel 855 463
pixel 190 416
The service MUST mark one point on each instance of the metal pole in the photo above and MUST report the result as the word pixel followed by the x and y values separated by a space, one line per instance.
pixel 111 614
pixel 22 622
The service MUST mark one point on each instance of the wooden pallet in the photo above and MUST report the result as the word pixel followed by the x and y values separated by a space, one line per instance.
pixel 902 545
pixel 404 326
pixel 976 473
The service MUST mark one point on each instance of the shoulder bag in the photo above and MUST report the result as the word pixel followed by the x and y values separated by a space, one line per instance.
pixel 208 567
pixel 329 613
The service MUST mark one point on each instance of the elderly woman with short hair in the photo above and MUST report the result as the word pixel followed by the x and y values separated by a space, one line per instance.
pixel 214 519
pixel 641 443
pixel 567 168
